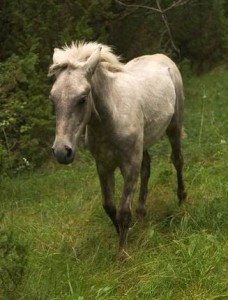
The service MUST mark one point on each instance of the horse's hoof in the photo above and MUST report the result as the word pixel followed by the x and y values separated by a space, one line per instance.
pixel 123 256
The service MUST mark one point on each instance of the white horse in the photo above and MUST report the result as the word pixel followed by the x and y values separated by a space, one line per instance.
pixel 125 109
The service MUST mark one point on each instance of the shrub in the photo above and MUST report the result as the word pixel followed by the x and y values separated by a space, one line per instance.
pixel 25 121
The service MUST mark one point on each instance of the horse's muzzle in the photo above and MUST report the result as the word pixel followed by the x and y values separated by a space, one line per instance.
pixel 63 153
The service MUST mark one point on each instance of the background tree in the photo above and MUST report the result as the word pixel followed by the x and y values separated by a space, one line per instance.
pixel 198 29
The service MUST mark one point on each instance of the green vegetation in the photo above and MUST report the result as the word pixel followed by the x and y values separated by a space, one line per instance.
pixel 57 243
pixel 55 240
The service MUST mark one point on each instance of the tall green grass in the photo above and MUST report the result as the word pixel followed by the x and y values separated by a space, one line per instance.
pixel 57 243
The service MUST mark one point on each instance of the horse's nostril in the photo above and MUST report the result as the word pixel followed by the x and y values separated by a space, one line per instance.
pixel 68 151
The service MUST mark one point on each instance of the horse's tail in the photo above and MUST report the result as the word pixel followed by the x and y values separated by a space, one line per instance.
pixel 179 90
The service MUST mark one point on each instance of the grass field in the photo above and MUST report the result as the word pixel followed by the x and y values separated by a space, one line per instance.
pixel 57 243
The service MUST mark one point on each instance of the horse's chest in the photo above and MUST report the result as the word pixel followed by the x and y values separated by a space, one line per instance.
pixel 102 150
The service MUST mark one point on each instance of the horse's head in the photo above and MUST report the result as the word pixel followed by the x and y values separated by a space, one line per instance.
pixel 72 101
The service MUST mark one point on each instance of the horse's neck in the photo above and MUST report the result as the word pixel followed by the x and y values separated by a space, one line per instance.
pixel 101 89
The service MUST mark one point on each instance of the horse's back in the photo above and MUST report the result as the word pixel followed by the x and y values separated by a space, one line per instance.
pixel 154 66
pixel 155 59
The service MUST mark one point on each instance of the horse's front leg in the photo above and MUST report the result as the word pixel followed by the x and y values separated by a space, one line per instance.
pixel 107 182
pixel 130 172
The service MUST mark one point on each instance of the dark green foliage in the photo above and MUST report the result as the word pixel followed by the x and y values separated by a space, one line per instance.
pixel 199 30
pixel 24 113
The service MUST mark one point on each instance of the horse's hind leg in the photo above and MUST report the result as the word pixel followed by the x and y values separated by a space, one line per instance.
pixel 107 182
pixel 174 135
pixel 145 175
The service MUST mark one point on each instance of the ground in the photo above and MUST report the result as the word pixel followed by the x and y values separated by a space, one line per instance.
pixel 57 243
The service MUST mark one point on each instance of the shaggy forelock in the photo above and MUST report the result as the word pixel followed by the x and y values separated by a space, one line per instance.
pixel 77 54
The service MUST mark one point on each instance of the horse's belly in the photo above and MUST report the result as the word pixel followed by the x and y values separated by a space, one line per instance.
pixel 158 110
pixel 152 133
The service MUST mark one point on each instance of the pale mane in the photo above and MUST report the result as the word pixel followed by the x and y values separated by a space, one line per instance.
pixel 76 54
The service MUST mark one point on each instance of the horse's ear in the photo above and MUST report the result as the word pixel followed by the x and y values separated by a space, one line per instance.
pixel 92 62
pixel 57 55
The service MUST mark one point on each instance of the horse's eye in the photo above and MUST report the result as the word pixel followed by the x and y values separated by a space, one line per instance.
pixel 82 100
